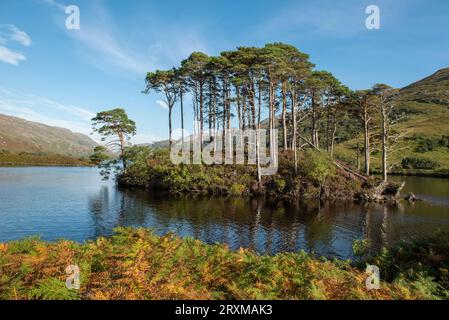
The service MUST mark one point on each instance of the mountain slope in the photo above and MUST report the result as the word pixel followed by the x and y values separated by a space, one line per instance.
pixel 433 89
pixel 18 135
pixel 425 104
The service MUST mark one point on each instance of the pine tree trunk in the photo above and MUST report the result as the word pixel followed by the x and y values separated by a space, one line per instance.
pixel 295 151
pixel 201 117
pixel 259 178
pixel 334 132
pixel 366 142
pixel 182 115
pixel 170 142
pixel 253 105
pixel 384 144
pixel 122 149
pixel 284 114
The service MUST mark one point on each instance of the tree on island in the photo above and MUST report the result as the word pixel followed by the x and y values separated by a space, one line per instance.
pixel 388 119
pixel 165 82
pixel 99 155
pixel 116 130
pixel 277 82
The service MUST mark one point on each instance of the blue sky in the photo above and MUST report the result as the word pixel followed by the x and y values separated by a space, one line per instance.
pixel 63 77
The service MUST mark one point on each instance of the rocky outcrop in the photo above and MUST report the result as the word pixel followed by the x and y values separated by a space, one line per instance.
pixel 380 191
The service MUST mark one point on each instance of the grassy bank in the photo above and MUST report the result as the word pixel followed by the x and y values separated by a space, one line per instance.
pixel 443 173
pixel 135 264
pixel 39 159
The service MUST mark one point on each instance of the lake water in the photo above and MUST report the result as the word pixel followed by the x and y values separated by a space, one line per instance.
pixel 74 203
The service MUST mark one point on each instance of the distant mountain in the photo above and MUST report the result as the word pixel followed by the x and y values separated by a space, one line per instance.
pixel 156 144
pixel 18 135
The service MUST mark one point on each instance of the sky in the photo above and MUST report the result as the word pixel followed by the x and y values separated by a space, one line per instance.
pixel 62 77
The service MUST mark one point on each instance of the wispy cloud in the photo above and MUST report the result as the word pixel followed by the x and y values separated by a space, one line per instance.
pixel 81 113
pixel 104 48
pixel 53 3
pixel 10 33
pixel 162 104
pixel 41 109
pixel 328 18
pixel 317 18
pixel 103 42
pixel 11 57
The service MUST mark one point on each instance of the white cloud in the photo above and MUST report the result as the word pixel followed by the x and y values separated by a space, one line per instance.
pixel 31 115
pixel 36 108
pixel 55 4
pixel 102 41
pixel 162 104
pixel 11 57
pixel 105 48
pixel 81 113
pixel 10 33
pixel 19 36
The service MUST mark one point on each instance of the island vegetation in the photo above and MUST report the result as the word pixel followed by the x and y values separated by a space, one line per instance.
pixel 318 117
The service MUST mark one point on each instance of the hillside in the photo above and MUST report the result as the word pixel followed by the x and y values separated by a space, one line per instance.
pixel 26 142
pixel 425 104
pixel 433 89
pixel 156 144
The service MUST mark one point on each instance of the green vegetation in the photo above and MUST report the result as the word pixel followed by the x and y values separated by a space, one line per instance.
pixel 424 262
pixel 317 167
pixel 423 109
pixel 317 176
pixel 136 264
pixel 39 159
pixel 311 107
pixel 418 163
pixel 115 129
pixel 99 155
pixel 18 136
pixel 426 144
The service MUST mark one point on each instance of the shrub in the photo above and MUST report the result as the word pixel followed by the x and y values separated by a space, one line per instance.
pixel 237 189
pixel 317 167
pixel 418 260
pixel 280 184
pixel 361 247
pixel 418 163
pixel 426 144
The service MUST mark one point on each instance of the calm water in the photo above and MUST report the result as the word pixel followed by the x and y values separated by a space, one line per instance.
pixel 74 203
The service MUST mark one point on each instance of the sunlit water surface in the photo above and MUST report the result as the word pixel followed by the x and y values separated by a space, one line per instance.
pixel 74 203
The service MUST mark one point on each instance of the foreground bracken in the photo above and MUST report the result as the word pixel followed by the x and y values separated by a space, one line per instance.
pixel 136 264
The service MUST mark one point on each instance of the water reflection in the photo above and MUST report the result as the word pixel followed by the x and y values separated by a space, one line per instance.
pixel 74 203
pixel 326 228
